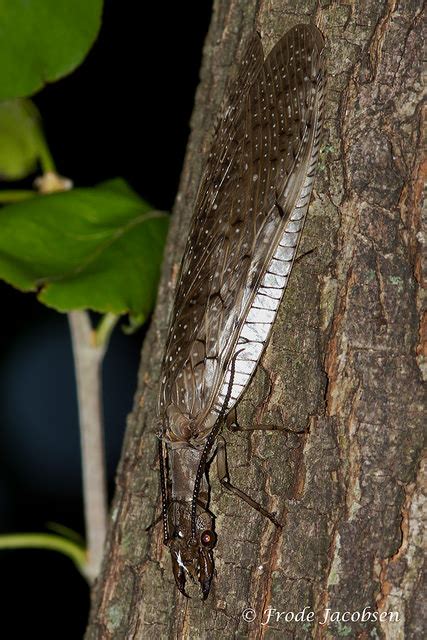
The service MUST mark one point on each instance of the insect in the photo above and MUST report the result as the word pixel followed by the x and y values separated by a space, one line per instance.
pixel 243 239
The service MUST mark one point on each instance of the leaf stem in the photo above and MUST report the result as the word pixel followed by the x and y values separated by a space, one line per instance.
pixel 47 541
pixel 88 357
pixel 46 159
pixel 66 532
pixel 105 328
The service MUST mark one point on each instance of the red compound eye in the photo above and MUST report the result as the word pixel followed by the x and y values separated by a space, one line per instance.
pixel 208 538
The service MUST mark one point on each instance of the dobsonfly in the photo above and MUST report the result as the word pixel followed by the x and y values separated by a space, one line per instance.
pixel 244 235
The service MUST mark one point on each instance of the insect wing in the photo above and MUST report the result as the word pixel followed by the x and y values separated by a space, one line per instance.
pixel 261 153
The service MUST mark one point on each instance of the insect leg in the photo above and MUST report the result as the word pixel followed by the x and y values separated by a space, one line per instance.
pixel 224 478
pixel 154 522
pixel 231 421
pixel 306 253
pixel 232 424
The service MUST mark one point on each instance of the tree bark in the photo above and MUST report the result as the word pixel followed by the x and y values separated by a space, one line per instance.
pixel 338 394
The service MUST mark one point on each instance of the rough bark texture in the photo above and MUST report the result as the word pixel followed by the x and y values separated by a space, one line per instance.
pixel 339 392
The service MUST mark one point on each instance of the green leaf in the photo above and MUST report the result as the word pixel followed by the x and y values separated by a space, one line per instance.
pixel 20 139
pixel 98 248
pixel 119 186
pixel 42 41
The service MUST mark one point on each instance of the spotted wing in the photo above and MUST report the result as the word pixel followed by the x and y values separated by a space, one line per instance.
pixel 261 154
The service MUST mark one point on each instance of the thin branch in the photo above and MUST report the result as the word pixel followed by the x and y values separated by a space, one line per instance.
pixel 88 356
pixel 89 348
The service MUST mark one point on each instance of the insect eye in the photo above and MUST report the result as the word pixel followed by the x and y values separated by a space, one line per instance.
pixel 208 538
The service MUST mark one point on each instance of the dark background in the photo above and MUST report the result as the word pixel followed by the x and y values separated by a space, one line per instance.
pixel 124 112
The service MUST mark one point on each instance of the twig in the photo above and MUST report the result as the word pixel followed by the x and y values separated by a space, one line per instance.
pixel 89 346
pixel 89 352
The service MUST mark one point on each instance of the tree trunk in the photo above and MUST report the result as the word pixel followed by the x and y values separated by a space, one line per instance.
pixel 338 394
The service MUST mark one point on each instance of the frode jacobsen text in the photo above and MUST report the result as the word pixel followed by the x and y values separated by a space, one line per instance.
pixel 324 617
